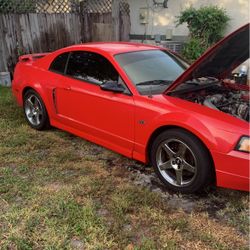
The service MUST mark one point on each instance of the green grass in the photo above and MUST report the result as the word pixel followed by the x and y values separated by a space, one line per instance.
pixel 57 189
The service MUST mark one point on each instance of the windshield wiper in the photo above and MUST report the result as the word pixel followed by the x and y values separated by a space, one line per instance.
pixel 154 82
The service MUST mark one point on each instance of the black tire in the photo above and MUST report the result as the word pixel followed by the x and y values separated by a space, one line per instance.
pixel 175 153
pixel 38 120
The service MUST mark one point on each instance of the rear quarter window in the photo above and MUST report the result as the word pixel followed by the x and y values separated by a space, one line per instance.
pixel 59 63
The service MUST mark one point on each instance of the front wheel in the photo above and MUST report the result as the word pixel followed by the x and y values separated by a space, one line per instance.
pixel 181 161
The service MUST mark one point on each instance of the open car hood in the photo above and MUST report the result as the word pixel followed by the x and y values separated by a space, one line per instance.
pixel 219 60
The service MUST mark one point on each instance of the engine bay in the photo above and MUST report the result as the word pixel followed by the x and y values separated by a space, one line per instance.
pixel 223 95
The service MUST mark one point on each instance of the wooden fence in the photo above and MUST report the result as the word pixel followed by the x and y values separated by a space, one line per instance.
pixel 35 33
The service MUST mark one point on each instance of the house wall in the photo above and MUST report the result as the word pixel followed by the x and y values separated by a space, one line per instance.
pixel 161 19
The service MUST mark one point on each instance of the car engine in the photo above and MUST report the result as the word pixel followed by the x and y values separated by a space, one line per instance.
pixel 226 96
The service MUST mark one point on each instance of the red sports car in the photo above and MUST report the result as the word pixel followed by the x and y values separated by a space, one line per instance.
pixel 147 103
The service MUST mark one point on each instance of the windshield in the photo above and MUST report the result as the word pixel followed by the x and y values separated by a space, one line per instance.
pixel 151 71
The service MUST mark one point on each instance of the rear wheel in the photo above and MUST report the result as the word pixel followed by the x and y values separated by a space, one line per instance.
pixel 35 111
pixel 181 161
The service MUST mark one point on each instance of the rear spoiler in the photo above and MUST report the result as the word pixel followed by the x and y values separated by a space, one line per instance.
pixel 31 57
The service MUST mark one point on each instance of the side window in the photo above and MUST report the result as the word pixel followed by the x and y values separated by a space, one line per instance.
pixel 59 63
pixel 91 67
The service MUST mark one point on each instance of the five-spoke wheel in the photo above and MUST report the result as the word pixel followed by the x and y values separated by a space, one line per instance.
pixel 35 111
pixel 181 160
pixel 176 162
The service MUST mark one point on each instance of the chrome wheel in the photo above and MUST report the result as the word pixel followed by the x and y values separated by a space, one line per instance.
pixel 33 110
pixel 176 162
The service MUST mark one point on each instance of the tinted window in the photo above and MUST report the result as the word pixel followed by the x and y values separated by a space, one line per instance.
pixel 59 63
pixel 91 67
pixel 151 71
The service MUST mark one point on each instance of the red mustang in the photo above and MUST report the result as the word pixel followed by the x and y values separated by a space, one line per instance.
pixel 145 102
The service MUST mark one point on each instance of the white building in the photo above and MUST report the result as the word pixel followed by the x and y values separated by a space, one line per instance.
pixel 149 19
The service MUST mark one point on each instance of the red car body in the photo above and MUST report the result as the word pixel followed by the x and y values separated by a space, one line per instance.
pixel 128 124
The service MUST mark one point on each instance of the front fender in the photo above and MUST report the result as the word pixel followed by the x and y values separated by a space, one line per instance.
pixel 201 126
pixel 188 122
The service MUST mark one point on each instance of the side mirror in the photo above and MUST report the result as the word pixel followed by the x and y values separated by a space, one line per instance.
pixel 112 86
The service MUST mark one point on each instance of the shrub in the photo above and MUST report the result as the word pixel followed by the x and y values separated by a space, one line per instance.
pixel 206 26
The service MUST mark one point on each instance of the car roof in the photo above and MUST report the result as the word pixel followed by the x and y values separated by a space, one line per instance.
pixel 114 47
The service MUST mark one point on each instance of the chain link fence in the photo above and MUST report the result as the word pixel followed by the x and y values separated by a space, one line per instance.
pixel 103 6
pixel 60 6
pixel 38 6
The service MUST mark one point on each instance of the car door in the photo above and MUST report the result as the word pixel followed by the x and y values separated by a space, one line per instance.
pixel 105 116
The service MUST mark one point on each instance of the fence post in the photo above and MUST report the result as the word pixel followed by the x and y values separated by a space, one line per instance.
pixel 84 15
pixel 116 19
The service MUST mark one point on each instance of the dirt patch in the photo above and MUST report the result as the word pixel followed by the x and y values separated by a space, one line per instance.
pixel 211 201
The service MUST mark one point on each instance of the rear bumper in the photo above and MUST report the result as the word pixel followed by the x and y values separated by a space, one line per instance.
pixel 232 170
